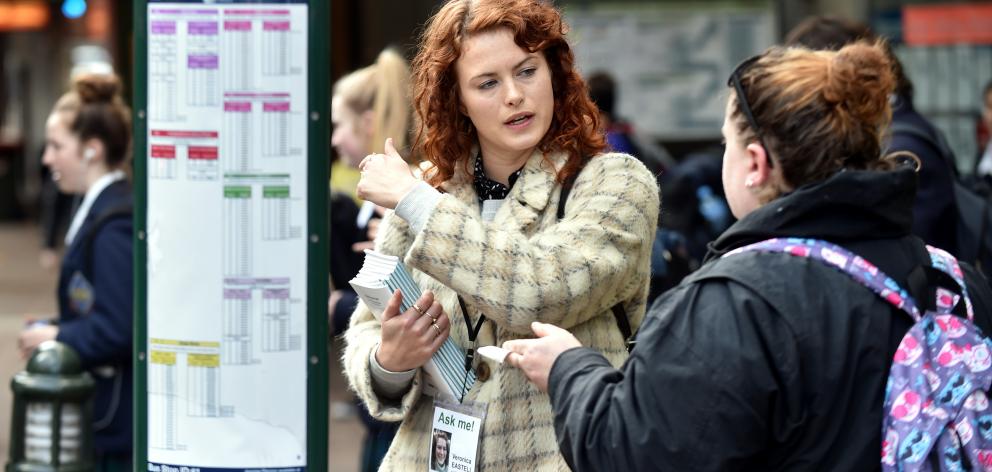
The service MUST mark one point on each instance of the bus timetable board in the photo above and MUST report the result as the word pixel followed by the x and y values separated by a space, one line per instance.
pixel 231 158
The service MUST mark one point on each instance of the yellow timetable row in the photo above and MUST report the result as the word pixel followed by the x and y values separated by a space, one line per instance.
pixel 192 360
pixel 175 342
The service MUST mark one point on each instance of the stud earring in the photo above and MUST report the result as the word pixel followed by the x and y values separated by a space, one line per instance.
pixel 749 183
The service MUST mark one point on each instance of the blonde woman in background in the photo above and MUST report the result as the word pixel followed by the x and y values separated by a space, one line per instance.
pixel 367 105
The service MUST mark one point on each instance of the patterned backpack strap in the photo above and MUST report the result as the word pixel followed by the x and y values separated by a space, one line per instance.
pixel 947 299
pixel 843 260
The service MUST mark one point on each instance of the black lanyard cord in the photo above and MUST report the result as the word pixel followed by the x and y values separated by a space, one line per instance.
pixel 473 334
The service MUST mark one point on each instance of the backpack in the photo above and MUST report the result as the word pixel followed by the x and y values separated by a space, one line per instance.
pixel 974 214
pixel 936 413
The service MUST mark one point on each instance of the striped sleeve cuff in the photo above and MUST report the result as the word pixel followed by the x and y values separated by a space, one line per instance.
pixel 417 205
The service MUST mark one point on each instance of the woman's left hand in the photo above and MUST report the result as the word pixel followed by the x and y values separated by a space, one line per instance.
pixel 32 337
pixel 386 178
pixel 536 356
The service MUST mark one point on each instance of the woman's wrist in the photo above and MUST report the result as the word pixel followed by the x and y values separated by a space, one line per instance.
pixel 417 205
pixel 386 383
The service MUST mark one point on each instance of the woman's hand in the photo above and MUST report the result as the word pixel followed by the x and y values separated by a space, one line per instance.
pixel 536 356
pixel 386 178
pixel 409 339
pixel 30 338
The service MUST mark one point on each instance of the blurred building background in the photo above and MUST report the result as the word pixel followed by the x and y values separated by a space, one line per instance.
pixel 672 58
pixel 41 43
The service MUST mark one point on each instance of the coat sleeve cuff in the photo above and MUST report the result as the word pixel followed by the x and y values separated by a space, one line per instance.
pixel 388 384
pixel 417 205
pixel 568 365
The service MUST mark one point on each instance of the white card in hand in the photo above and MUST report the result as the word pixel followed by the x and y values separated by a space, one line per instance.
pixel 497 354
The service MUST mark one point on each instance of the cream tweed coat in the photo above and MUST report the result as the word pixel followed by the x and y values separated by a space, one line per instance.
pixel 523 266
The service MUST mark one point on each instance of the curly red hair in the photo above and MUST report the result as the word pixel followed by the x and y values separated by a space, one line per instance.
pixel 445 136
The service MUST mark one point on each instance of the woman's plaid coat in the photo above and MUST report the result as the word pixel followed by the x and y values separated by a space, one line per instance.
pixel 524 266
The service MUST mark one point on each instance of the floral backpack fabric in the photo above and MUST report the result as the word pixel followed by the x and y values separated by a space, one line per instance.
pixel 936 412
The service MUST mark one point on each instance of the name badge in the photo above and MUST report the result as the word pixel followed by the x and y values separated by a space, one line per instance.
pixel 457 429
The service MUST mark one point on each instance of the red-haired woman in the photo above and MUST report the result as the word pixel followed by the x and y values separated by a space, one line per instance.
pixel 505 122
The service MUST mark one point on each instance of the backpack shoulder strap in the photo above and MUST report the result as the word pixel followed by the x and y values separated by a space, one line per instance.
pixel 566 188
pixel 942 267
pixel 86 241
pixel 623 322
pixel 859 269
pixel 948 266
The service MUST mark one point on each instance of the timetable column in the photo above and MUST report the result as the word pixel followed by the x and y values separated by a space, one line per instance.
pixel 275 137
pixel 163 161
pixel 203 383
pixel 238 50
pixel 275 47
pixel 162 410
pixel 236 334
pixel 277 335
pixel 202 81
pixel 237 230
pixel 275 212
pixel 237 136
pixel 162 74
pixel 201 162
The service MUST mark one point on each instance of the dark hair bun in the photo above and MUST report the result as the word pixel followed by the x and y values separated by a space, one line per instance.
pixel 860 80
pixel 97 88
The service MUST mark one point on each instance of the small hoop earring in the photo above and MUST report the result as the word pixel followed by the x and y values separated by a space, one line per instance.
pixel 904 158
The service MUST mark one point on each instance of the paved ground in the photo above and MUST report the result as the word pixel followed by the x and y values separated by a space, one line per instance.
pixel 26 289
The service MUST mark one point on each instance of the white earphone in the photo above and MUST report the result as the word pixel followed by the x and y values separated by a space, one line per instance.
pixel 88 154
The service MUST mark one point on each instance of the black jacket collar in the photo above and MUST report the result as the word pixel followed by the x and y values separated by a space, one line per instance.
pixel 850 205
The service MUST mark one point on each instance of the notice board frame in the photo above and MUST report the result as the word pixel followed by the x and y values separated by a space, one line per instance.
pixel 317 231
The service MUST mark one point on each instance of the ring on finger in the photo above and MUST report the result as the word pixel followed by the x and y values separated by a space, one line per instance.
pixel 436 328
pixel 419 310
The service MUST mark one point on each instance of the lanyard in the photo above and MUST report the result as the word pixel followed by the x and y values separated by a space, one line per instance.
pixel 473 333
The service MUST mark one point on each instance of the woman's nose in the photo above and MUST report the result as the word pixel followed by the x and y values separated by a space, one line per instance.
pixel 513 94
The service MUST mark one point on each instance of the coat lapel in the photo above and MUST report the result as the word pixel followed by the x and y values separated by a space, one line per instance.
pixel 527 199
pixel 530 195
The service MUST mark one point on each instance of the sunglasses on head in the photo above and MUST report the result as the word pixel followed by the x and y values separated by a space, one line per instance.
pixel 735 82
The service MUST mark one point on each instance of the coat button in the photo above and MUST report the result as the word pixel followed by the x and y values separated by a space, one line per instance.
pixel 482 372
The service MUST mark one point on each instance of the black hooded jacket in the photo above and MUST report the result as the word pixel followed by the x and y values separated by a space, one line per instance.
pixel 759 361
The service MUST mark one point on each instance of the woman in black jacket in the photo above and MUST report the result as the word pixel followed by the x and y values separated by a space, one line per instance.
pixel 764 361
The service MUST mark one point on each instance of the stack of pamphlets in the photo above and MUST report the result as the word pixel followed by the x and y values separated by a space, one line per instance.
pixel 382 274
